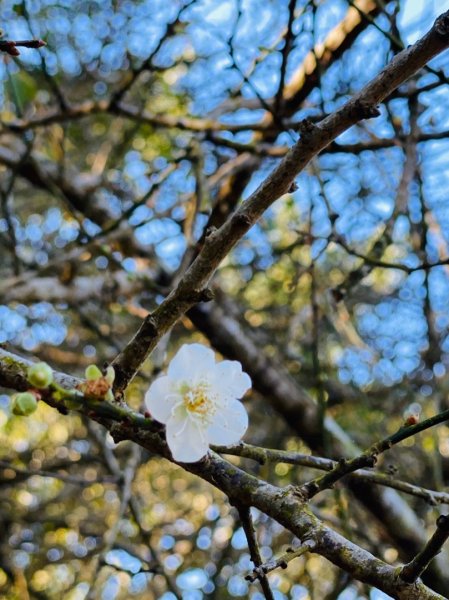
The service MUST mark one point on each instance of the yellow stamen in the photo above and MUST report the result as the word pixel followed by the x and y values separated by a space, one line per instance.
pixel 197 400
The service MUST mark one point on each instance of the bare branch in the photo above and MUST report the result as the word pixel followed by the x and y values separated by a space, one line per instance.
pixel 281 562
pixel 248 527
pixel 313 140
pixel 416 567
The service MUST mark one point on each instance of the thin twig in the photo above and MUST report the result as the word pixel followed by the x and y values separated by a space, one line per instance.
pixel 61 476
pixel 281 562
pixel 288 45
pixel 10 46
pixel 248 527
pixel 114 467
pixel 111 534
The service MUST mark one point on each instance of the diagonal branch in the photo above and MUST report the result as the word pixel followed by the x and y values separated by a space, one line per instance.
pixel 314 138
pixel 416 567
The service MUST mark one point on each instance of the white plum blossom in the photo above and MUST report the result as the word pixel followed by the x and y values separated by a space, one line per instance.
pixel 198 402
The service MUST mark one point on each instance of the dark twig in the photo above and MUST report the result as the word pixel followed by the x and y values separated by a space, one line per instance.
pixel 374 262
pixel 10 46
pixel 110 536
pixel 115 469
pixel 248 527
pixel 52 81
pixel 147 64
pixel 288 45
pixel 411 571
pixel 396 43
pixel 61 476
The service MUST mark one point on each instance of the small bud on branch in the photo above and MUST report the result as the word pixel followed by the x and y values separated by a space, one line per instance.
pixel 10 46
pixel 40 375
pixel 24 404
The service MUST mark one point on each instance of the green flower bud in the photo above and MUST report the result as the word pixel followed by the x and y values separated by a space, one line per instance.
pixel 24 404
pixel 92 373
pixel 40 375
pixel 110 374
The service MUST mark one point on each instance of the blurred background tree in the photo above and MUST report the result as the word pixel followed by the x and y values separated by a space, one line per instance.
pixel 139 126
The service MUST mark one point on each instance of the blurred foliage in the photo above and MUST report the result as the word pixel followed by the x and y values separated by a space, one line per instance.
pixel 100 206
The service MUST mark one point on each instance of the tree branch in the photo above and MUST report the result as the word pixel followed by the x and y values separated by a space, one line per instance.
pixel 313 139
pixel 416 567
pixel 243 489
pixel 248 527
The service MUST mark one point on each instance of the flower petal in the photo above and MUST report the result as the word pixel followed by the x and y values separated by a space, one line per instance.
pixel 191 362
pixel 229 380
pixel 185 438
pixel 229 424
pixel 160 399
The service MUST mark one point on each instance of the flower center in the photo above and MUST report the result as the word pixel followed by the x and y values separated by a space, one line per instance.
pixel 197 400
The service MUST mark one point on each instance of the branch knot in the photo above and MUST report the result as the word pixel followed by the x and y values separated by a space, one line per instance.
pixel 305 128
pixel 365 110
pixel 442 24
